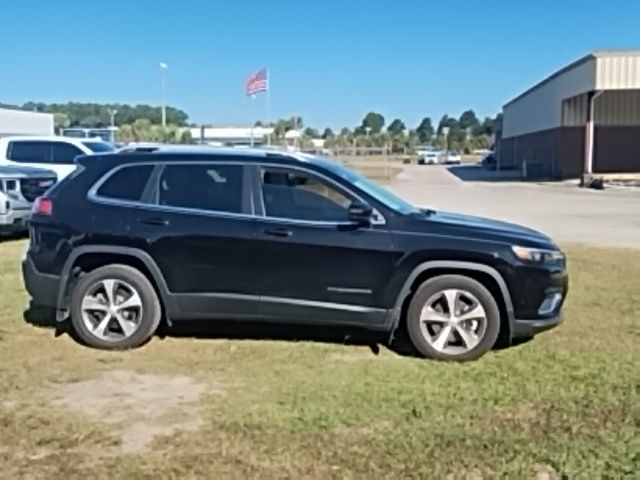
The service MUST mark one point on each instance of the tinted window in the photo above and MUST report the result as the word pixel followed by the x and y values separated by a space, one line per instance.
pixel 65 153
pixel 30 152
pixel 302 196
pixel 204 187
pixel 99 147
pixel 127 183
pixel 370 187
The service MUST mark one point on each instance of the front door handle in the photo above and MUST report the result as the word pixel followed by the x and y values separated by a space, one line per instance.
pixel 155 221
pixel 278 232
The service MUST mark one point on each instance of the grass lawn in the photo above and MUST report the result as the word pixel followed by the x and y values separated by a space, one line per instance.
pixel 566 404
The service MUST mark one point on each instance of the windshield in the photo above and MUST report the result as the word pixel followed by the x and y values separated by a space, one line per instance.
pixel 99 147
pixel 368 186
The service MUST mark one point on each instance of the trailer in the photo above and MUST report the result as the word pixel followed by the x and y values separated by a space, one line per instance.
pixel 19 122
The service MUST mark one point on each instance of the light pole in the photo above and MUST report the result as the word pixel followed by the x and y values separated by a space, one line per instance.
pixel 368 143
pixel 163 66
pixel 445 132
pixel 112 114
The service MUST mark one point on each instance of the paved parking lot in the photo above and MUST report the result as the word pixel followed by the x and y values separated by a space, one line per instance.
pixel 566 212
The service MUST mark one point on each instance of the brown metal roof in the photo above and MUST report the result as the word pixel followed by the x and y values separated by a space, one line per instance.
pixel 591 56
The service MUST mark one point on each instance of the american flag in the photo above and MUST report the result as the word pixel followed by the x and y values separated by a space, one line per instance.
pixel 257 82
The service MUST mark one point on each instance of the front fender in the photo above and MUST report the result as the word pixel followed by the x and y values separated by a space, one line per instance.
pixel 451 266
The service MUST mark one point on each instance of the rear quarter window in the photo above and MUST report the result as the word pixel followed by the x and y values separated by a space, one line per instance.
pixel 127 183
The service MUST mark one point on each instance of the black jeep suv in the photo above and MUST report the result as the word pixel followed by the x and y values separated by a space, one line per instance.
pixel 174 234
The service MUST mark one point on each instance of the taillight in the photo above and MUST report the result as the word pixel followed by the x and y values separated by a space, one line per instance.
pixel 43 206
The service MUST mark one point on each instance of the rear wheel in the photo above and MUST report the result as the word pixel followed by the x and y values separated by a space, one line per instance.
pixel 114 307
pixel 453 317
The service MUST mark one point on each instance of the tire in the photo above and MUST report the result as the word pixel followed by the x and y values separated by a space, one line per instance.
pixel 132 326
pixel 480 331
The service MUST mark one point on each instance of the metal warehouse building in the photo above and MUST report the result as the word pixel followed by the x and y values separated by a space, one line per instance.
pixel 581 120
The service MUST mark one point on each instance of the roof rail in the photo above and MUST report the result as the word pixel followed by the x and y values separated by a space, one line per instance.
pixel 138 150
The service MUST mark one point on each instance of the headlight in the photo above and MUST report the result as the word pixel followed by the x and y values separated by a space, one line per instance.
pixel 537 255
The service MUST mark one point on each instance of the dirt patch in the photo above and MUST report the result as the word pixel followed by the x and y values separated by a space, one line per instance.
pixel 140 406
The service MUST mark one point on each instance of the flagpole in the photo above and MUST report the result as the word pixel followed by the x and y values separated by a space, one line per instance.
pixel 253 116
pixel 269 105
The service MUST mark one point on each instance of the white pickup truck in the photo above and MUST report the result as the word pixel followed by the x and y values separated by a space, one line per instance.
pixel 19 187
pixel 430 157
pixel 51 152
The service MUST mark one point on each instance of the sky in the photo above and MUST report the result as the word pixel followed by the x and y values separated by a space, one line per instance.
pixel 330 62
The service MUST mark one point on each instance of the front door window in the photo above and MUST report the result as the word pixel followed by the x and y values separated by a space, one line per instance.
pixel 297 195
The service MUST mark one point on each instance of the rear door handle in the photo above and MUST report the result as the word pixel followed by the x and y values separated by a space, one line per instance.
pixel 278 232
pixel 155 221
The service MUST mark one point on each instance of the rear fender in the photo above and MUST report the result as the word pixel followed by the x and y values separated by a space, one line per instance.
pixel 170 306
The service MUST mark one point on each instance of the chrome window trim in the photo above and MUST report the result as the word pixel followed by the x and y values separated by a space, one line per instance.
pixel 94 197
pixel 380 220
pixel 165 208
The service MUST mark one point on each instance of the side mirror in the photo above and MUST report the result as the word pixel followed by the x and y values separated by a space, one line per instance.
pixel 360 212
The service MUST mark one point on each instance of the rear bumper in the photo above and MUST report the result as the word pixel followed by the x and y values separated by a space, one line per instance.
pixel 528 328
pixel 42 287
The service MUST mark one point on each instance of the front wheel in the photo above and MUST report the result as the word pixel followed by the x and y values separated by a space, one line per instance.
pixel 453 317
pixel 114 307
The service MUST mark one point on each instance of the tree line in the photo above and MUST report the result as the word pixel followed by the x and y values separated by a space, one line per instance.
pixel 143 123
pixel 464 133
pixel 98 115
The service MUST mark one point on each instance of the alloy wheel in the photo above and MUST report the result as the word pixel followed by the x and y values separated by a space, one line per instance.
pixel 453 321
pixel 111 309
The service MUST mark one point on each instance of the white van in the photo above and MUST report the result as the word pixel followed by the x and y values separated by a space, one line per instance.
pixel 52 153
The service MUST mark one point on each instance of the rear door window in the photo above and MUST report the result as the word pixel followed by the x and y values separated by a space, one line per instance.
pixel 127 184
pixel 29 152
pixel 64 153
pixel 207 186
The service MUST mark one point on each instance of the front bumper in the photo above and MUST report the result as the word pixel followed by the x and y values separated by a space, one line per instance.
pixel 14 221
pixel 528 328
pixel 42 287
